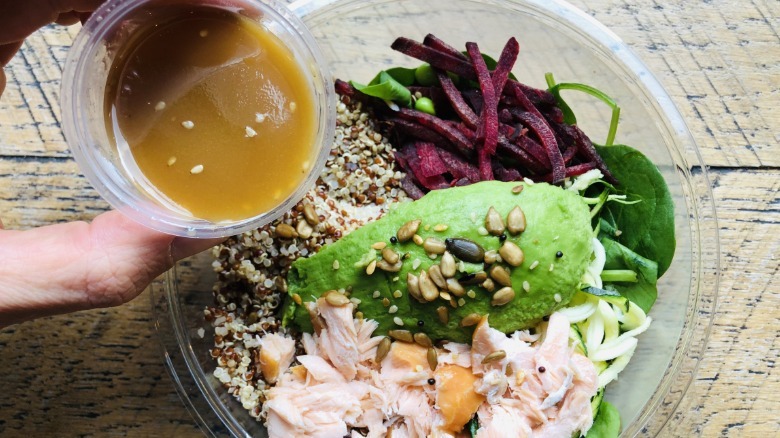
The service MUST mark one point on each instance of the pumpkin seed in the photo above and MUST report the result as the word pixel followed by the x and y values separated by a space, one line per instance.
pixel 310 215
pixel 401 335
pixel 494 356
pixel 371 267
pixel 489 285
pixel 435 273
pixel 448 265
pixel 433 358
pixel 511 253
pixel 491 256
pixel 455 287
pixel 475 278
pixel 387 267
pixel 470 319
pixel 444 314
pixel 503 296
pixel 334 298
pixel 408 230
pixel 390 256
pixel 494 224
pixel 465 249
pixel 304 229
pixel 286 231
pixel 445 296
pixel 515 220
pixel 428 288
pixel 423 339
pixel 382 349
pixel 501 275
pixel 413 285
pixel 517 189
pixel 432 245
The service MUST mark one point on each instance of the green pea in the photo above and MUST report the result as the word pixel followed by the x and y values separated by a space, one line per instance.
pixel 425 76
pixel 425 105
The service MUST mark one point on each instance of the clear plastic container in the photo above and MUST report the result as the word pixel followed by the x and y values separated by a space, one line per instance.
pixel 122 185
pixel 554 36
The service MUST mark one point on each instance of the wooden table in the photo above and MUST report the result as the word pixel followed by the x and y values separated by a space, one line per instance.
pixel 100 372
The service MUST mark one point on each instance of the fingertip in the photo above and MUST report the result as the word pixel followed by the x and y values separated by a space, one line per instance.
pixel 2 80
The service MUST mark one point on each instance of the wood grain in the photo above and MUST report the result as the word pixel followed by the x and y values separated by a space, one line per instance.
pixel 101 373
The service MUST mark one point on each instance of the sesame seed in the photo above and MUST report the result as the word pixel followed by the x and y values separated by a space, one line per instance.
pixel 440 227
pixel 461 302
pixel 385 302
pixel 171 161
pixel 473 217
pixel 534 265
pixel 335 265
pixel 526 286
pixel 398 321
pixel 471 294
pixel 556 238
pixel 482 231
pixel 395 279
pixel 250 132
pixel 204 33
pixel 376 294
pixel 397 294
pixel 552 266
pixel 188 124
pixel 259 117
pixel 160 106
pixel 393 309
pixel 528 181
pixel 416 263
pixel 432 256
pixel 293 107
pixel 618 233
pixel 197 169
pixel 557 298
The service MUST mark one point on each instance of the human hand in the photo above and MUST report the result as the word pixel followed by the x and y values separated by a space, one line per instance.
pixel 75 266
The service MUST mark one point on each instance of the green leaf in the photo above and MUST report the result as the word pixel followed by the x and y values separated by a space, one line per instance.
pixel 404 76
pixel 386 87
pixel 568 114
pixel 606 424
pixel 643 292
pixel 647 227
pixel 473 426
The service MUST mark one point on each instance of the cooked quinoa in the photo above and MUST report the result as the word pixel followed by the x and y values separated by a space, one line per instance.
pixel 357 185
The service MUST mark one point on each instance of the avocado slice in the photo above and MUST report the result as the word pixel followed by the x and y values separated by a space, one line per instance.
pixel 557 236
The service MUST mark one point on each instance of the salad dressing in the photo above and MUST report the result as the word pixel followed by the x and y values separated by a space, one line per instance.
pixel 217 115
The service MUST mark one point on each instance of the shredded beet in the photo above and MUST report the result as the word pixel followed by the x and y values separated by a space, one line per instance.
pixel 460 142
pixel 456 100
pixel 547 137
pixel 504 65
pixel 458 167
pixel 430 163
pixel 434 42
pixel 434 57
pixel 487 130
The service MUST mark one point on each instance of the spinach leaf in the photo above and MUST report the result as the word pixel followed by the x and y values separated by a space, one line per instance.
pixel 404 76
pixel 606 424
pixel 385 86
pixel 647 227
pixel 642 293
pixel 473 426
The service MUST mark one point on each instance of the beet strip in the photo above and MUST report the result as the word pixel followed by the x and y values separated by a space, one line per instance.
pixel 489 114
pixel 504 65
pixel 572 171
pixel 434 42
pixel 412 157
pixel 547 137
pixel 525 103
pixel 416 130
pixel 430 163
pixel 569 154
pixel 458 167
pixel 411 189
pixel 458 140
pixel 535 149
pixel 514 152
pixel 462 109
pixel 434 57
pixel 505 174
pixel 585 146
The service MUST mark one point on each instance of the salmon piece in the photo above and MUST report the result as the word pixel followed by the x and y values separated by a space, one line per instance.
pixel 406 364
pixel 455 396
pixel 455 354
pixel 338 341
pixel 276 354
pixel 501 421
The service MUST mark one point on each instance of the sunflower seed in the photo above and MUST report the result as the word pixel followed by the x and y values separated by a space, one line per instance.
pixel 310 215
pixel 448 265
pixel 489 285
pixel 433 245
pixel 379 245
pixel 435 273
pixel 433 358
pixel 408 230
pixel 371 267
pixel 491 256
pixel 465 249
pixel 417 239
pixel 445 296
pixel 286 231
pixel 444 314
pixel 501 275
pixel 304 229
pixel 494 224
pixel 413 286
pixel 470 319
pixel 494 356
pixel 336 299
pixel 382 349
pixel 515 220
pixel 455 288
pixel 390 256
pixel 428 288
pixel 387 267
pixel 476 278
pixel 423 339
pixel 511 253
pixel 401 335
pixel 503 296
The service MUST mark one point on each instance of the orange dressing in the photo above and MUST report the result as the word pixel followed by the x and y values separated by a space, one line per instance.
pixel 217 114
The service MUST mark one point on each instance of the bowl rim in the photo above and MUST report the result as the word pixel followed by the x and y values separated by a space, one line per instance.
pixel 702 220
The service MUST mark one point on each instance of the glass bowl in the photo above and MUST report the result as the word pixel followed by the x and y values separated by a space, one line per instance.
pixel 555 37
